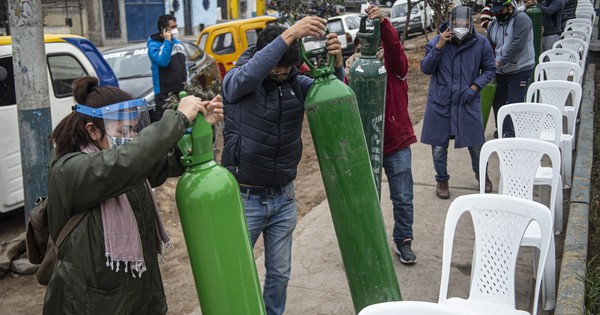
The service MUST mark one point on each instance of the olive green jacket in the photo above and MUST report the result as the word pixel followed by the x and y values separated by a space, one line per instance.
pixel 81 282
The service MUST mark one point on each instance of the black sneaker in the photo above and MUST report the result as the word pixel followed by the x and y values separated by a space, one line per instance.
pixel 405 252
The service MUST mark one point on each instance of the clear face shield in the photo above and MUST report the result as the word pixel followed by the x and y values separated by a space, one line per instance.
pixel 122 121
pixel 460 22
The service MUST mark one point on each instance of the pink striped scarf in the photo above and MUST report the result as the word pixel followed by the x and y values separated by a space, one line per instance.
pixel 121 234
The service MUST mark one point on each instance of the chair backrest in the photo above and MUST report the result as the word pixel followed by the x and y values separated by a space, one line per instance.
pixel 585 14
pixel 578 20
pixel 533 120
pixel 519 159
pixel 558 70
pixel 412 308
pixel 557 93
pixel 500 222
pixel 554 92
pixel 581 26
pixel 559 54
pixel 585 36
pixel 577 45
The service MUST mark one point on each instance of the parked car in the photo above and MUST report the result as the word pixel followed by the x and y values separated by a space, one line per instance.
pixel 420 18
pixel 351 23
pixel 69 57
pixel 132 66
pixel 336 24
pixel 226 42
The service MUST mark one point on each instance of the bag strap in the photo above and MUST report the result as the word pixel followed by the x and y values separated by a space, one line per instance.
pixel 69 227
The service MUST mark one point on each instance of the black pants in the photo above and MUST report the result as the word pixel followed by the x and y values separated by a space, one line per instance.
pixel 159 110
pixel 510 88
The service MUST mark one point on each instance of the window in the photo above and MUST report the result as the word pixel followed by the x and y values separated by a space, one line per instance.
pixel 202 42
pixel 7 84
pixel 64 69
pixel 335 27
pixel 251 37
pixel 192 51
pixel 352 22
pixel 223 44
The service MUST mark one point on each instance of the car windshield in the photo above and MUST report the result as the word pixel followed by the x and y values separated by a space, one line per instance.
pixel 400 10
pixel 129 63
pixel 335 27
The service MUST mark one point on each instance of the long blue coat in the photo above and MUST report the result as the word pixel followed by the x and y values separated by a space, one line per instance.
pixel 453 70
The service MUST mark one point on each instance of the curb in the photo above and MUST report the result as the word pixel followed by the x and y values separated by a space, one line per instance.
pixel 571 287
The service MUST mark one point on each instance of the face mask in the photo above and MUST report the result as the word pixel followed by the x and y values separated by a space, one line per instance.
pixel 278 77
pixel 460 32
pixel 502 17
pixel 115 142
pixel 174 33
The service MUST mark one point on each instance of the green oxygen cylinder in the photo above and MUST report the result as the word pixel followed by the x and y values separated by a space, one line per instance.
pixel 367 78
pixel 215 231
pixel 535 14
pixel 339 141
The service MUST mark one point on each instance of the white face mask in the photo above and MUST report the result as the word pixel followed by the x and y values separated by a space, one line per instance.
pixel 460 32
pixel 115 142
pixel 174 33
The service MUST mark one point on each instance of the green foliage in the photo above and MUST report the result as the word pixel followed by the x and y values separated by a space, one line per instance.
pixel 197 90
pixel 294 10
pixel 592 287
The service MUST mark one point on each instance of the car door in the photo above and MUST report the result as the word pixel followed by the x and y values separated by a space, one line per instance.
pixel 65 64
pixel 225 45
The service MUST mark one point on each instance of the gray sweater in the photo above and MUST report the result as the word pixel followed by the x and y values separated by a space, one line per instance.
pixel 513 43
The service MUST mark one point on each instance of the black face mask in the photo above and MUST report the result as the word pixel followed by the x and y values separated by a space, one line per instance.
pixel 503 17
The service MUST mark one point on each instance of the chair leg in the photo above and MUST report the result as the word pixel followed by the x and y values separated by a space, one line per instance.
pixel 567 165
pixel 558 211
pixel 549 280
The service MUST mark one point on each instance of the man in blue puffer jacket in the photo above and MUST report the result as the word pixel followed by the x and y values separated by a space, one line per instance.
pixel 263 99
pixel 167 55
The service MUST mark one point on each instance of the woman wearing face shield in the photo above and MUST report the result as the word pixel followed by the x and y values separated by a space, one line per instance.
pixel 105 159
pixel 461 63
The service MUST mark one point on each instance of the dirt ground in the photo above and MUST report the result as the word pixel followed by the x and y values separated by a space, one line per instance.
pixel 20 294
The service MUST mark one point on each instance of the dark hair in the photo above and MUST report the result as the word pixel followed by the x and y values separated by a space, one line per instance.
pixel 266 36
pixel 70 134
pixel 163 21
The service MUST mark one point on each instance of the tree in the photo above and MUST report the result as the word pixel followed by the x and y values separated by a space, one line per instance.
pixel 441 9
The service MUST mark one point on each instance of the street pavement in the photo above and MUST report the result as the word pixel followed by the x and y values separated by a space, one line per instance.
pixel 318 283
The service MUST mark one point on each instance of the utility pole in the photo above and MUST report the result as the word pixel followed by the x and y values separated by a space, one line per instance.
pixel 33 105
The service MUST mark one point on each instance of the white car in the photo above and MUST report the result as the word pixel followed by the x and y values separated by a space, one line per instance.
pixel 346 26
pixel 69 57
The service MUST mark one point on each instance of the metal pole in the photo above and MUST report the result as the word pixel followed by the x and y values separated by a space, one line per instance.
pixel 33 105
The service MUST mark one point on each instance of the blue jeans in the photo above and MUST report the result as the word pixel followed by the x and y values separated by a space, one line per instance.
pixel 510 88
pixel 398 171
pixel 440 161
pixel 274 215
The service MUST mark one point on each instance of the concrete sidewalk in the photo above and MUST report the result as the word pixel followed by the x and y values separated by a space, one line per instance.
pixel 318 282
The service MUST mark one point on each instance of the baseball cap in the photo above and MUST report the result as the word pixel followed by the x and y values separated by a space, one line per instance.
pixel 498 5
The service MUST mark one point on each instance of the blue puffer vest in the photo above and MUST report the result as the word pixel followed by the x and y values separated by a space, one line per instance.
pixel 262 133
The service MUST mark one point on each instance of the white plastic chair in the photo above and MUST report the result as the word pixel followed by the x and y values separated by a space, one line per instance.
pixel 577 45
pixel 558 70
pixel 559 93
pixel 519 159
pixel 583 27
pixel 559 54
pixel 542 122
pixel 584 36
pixel 578 20
pixel 413 308
pixel 500 222
pixel 583 14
